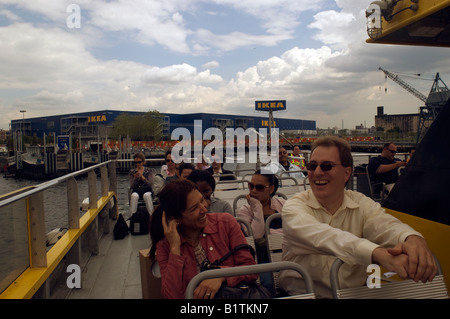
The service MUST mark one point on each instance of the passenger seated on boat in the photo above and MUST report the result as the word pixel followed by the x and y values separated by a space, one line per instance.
pixel 261 203
pixel 206 185
pixel 141 180
pixel 168 169
pixel 295 156
pixel 182 172
pixel 329 221
pixel 283 165
pixel 384 168
pixel 201 163
pixel 217 170
pixel 184 236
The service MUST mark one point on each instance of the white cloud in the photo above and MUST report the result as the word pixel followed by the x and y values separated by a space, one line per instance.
pixel 48 69
pixel 178 74
pixel 235 40
pixel 9 15
pixel 211 65
pixel 334 27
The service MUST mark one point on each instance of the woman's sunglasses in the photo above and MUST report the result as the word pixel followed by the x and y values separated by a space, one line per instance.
pixel 325 166
pixel 137 162
pixel 258 187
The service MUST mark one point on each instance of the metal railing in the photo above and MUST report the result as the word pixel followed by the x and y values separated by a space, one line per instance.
pixel 24 215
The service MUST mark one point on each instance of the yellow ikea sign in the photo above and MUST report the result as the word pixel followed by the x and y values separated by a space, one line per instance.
pixel 270 105
pixel 97 118
pixel 266 123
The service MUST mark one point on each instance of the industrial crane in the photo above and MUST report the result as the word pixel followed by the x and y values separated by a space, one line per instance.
pixel 436 100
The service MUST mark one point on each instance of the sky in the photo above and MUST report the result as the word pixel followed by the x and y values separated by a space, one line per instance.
pixel 213 56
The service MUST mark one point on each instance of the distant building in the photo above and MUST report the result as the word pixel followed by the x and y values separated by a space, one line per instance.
pixel 4 135
pixel 91 125
pixel 406 123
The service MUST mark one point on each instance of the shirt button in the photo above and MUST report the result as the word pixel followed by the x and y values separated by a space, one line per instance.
pixel 204 235
pixel 211 248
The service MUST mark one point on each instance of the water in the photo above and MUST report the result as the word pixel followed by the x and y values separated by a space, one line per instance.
pixel 55 198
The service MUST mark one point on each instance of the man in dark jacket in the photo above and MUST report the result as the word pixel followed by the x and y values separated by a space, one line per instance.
pixel 384 168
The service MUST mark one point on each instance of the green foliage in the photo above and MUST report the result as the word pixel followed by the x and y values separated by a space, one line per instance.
pixel 144 127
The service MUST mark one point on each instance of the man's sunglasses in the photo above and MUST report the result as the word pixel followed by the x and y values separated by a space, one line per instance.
pixel 258 187
pixel 137 162
pixel 325 166
pixel 392 151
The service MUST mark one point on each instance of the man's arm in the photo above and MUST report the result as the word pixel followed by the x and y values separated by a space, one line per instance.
pixel 384 168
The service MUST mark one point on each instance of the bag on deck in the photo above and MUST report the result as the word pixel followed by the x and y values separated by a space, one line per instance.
pixel 139 223
pixel 120 228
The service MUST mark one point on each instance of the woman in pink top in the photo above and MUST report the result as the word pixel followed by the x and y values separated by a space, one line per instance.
pixel 184 236
pixel 261 203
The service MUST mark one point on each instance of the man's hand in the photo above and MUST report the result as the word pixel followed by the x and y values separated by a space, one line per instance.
pixel 392 260
pixel 421 263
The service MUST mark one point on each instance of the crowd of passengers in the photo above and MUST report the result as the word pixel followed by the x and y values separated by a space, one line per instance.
pixel 190 226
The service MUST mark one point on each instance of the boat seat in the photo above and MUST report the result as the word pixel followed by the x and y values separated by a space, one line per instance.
pixel 394 289
pixel 378 191
pixel 252 269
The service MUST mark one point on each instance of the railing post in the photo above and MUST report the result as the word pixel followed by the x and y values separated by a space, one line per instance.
pixel 104 214
pixel 112 177
pixel 113 187
pixel 73 208
pixel 72 204
pixel 92 185
pixel 104 180
pixel 92 230
pixel 38 250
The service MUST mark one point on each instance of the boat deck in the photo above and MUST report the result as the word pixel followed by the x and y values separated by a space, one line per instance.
pixel 115 272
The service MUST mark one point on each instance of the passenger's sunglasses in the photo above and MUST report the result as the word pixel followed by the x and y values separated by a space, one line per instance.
pixel 325 166
pixel 169 161
pixel 258 187
pixel 392 151
pixel 137 162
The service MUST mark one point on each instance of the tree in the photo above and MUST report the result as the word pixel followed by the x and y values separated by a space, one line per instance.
pixel 147 126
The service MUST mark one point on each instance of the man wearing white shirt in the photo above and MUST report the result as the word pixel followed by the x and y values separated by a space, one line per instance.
pixel 328 221
pixel 283 165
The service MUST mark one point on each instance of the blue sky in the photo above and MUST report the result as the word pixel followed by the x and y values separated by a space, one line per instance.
pixel 216 56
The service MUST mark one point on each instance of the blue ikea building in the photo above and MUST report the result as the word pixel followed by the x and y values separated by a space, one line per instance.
pixel 93 124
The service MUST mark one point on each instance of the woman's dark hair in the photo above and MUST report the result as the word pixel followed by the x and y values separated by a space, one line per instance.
pixel 172 200
pixel 272 179
pixel 200 175
pixel 184 166
pixel 140 155
pixel 167 153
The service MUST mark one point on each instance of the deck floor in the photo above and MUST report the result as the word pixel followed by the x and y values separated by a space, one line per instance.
pixel 115 272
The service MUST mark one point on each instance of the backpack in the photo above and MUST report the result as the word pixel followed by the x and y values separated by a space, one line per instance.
pixel 139 222
pixel 120 228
